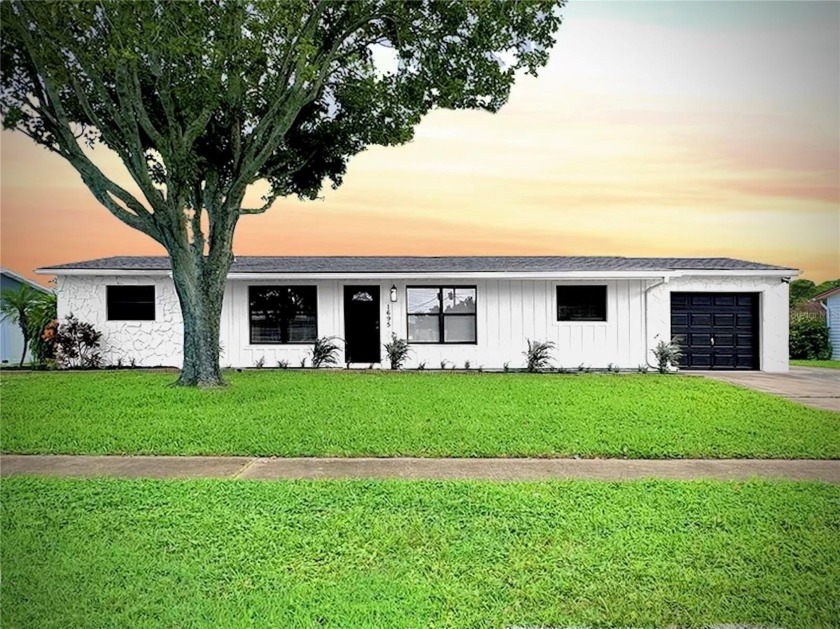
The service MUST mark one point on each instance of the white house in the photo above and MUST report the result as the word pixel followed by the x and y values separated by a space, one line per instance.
pixel 830 300
pixel 11 338
pixel 728 314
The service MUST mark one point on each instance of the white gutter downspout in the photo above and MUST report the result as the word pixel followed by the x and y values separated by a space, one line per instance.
pixel 665 279
pixel 827 313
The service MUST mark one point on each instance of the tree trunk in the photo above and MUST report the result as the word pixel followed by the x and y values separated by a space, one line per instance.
pixel 23 353
pixel 200 289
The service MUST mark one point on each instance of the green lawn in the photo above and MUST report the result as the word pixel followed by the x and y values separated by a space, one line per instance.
pixel 825 364
pixel 340 413
pixel 121 553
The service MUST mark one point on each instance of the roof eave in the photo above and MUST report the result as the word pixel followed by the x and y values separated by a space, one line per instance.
pixel 826 294
pixel 639 274
pixel 25 280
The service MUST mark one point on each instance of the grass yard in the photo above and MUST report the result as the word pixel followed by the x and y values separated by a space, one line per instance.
pixel 122 553
pixel 825 364
pixel 339 413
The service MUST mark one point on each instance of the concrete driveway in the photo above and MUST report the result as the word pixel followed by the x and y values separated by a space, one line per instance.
pixel 811 386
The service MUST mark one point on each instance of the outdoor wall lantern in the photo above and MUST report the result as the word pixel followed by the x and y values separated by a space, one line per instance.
pixel 393 293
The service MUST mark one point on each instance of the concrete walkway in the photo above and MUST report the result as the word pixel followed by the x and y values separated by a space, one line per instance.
pixel 811 386
pixel 414 469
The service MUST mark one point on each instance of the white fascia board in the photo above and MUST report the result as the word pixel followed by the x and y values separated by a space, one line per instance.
pixel 515 275
pixel 743 273
pixel 122 272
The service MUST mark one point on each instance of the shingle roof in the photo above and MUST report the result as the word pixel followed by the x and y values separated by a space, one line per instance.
pixel 443 264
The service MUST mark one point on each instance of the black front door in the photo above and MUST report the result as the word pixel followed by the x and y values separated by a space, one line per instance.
pixel 716 330
pixel 361 324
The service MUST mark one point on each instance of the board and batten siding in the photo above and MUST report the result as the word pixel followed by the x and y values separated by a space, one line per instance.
pixel 508 313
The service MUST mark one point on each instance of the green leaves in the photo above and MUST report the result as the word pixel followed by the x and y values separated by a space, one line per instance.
pixel 286 92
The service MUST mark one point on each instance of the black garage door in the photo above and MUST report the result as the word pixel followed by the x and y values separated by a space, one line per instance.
pixel 716 330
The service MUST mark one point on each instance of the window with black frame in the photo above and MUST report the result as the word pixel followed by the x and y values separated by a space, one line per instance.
pixel 581 303
pixel 441 314
pixel 283 314
pixel 130 303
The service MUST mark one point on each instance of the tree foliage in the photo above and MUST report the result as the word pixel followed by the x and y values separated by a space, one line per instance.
pixel 202 100
pixel 27 308
pixel 802 290
pixel 225 94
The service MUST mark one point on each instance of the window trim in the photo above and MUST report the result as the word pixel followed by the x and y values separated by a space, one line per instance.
pixel 596 322
pixel 442 315
pixel 108 288
pixel 250 312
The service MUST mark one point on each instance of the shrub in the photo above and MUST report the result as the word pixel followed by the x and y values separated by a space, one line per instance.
pixel 303 363
pixel 667 353
pixel 538 355
pixel 466 365
pixel 444 363
pixel 259 363
pixel 76 345
pixel 506 367
pixel 421 366
pixel 397 350
pixel 324 352
pixel 809 340
pixel 282 364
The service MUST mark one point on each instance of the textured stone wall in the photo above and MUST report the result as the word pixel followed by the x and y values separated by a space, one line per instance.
pixel 149 343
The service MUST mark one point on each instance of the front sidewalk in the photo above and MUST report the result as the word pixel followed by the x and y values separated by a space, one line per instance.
pixel 253 468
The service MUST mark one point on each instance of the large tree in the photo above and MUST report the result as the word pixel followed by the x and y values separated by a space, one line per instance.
pixel 201 100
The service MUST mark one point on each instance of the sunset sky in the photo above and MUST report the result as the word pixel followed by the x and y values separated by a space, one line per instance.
pixel 657 129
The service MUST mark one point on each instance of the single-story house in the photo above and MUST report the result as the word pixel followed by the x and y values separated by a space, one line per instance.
pixel 830 300
pixel 598 311
pixel 11 338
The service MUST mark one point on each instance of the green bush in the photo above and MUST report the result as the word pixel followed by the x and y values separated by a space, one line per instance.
pixel 809 340
pixel 398 351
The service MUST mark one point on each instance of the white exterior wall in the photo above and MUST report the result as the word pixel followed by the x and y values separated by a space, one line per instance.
pixel 508 313
pixel 773 311
pixel 833 321
pixel 150 343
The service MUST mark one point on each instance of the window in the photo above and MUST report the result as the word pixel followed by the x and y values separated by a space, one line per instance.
pixel 130 303
pixel 441 315
pixel 581 303
pixel 283 314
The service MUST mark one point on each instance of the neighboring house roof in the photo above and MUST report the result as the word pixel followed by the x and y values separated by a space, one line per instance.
pixel 418 264
pixel 23 280
pixel 831 292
